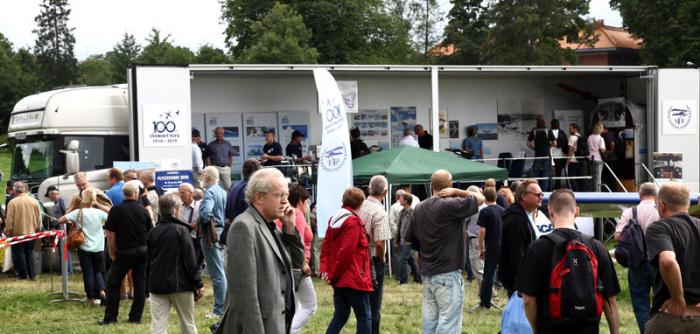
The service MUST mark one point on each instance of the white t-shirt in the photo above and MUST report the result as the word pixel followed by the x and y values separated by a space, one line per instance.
pixel 197 158
pixel 573 141
pixel 556 150
pixel 595 144
pixel 409 141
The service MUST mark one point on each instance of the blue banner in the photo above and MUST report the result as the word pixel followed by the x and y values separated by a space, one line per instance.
pixel 171 179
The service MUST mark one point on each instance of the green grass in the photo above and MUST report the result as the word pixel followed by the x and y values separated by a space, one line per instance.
pixel 26 308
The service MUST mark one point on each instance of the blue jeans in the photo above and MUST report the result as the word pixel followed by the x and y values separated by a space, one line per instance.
pixel 375 297
pixel 93 266
pixel 490 265
pixel 443 299
pixel 343 300
pixel 540 168
pixel 213 256
pixel 640 280
pixel 406 262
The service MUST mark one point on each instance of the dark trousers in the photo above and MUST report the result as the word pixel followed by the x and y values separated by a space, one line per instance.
pixel 23 260
pixel 468 264
pixel 490 265
pixel 198 253
pixel 407 262
pixel 576 169
pixel 540 168
pixel 375 297
pixel 343 300
pixel 92 266
pixel 559 165
pixel 640 280
pixel 135 260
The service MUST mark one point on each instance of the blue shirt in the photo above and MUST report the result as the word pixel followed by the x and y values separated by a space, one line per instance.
pixel 91 222
pixel 235 202
pixel 474 145
pixel 115 193
pixel 219 153
pixel 213 205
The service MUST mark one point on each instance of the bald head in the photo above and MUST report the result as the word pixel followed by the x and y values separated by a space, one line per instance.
pixel 441 179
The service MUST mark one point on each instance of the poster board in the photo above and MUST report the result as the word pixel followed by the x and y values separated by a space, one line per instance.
pixel 668 166
pixel 373 124
pixel 254 127
pixel 349 92
pixel 290 122
pixel 401 118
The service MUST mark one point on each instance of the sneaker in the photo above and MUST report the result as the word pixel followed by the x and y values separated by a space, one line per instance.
pixel 213 315
pixel 96 302
pixel 477 308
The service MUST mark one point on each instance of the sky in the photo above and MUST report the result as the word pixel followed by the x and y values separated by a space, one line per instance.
pixel 100 24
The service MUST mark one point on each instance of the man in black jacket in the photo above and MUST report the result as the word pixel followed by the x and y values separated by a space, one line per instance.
pixel 173 275
pixel 518 231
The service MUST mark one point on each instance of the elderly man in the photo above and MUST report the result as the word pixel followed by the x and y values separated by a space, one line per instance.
pixel 221 157
pixel 518 231
pixel 173 273
pixel 23 218
pixel 438 227
pixel 261 258
pixel 673 248
pixel 126 228
pixel 235 201
pixel 640 278
pixel 211 217
pixel 81 182
pixel 189 214
pixel 378 232
pixel 148 179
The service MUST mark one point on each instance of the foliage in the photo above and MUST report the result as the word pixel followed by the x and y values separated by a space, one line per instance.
pixel 527 32
pixel 280 38
pixel 427 16
pixel 95 71
pixel 208 54
pixel 669 29
pixel 161 51
pixel 122 55
pixel 18 78
pixel 54 44
pixel 467 30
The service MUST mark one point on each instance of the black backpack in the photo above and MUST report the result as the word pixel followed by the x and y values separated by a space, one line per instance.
pixel 630 251
pixel 581 147
pixel 575 293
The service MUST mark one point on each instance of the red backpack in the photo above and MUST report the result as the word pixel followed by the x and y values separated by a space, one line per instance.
pixel 575 288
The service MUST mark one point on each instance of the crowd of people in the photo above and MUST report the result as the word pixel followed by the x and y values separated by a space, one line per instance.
pixel 256 240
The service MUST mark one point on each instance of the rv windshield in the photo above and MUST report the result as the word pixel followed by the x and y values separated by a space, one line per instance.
pixel 33 160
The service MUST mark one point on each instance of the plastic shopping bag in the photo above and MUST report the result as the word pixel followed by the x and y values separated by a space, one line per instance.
pixel 514 319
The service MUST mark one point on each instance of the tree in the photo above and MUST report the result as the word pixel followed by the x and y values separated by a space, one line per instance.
pixel 427 16
pixel 54 44
pixel 467 30
pixel 280 38
pixel 208 54
pixel 162 51
pixel 528 31
pixel 95 71
pixel 668 28
pixel 18 78
pixel 122 56
pixel 240 15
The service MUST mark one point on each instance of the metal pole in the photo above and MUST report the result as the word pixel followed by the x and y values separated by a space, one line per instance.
pixel 615 176
pixel 65 293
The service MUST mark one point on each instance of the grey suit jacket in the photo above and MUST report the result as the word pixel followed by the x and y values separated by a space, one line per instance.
pixel 256 276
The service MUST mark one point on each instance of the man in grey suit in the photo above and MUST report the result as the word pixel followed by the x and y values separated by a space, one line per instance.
pixel 261 258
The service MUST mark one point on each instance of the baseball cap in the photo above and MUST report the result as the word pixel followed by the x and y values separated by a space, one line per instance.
pixel 297 133
pixel 195 132
pixel 50 189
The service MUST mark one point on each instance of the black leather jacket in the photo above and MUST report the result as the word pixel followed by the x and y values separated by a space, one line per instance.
pixel 171 259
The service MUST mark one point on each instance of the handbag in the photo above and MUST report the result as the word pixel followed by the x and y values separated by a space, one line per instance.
pixel 76 236
pixel 208 232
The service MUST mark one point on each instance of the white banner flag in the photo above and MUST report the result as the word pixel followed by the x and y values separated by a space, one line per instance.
pixel 335 160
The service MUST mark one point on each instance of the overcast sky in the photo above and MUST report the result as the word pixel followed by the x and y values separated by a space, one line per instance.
pixel 100 24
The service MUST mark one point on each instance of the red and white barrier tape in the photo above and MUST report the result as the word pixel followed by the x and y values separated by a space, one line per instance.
pixel 57 234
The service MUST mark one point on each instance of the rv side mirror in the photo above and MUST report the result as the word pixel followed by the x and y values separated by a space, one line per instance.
pixel 72 157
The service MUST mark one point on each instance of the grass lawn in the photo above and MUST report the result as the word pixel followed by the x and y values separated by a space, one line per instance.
pixel 26 308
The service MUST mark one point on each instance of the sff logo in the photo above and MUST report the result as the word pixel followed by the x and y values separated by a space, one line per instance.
pixel 165 124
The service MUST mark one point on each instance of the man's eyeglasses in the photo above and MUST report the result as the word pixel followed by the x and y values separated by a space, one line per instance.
pixel 279 196
pixel 536 194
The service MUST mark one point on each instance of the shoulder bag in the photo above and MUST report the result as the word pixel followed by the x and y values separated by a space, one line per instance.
pixel 76 236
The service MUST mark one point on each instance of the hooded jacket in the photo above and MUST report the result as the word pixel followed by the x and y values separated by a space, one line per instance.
pixel 171 260
pixel 345 253
pixel 516 235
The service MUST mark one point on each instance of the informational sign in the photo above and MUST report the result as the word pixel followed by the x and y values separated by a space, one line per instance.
pixel 611 112
pixel 172 179
pixel 668 166
pixel 679 117
pixel 348 89
pixel 165 126
pixel 401 118
pixel 567 117
pixel 290 122
pixel 254 127
pixel 335 162
pixel 373 124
